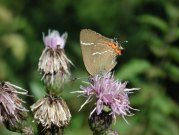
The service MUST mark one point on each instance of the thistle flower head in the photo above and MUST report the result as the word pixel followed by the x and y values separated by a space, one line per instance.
pixel 10 104
pixel 51 112
pixel 109 93
pixel 53 59
pixel 53 39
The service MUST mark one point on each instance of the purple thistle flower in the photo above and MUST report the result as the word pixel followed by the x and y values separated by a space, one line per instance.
pixel 108 92
pixel 53 39
pixel 53 62
pixel 10 104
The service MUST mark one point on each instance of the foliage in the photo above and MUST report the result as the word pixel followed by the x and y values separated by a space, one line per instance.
pixel 150 60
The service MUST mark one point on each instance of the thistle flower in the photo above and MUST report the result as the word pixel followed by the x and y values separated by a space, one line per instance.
pixel 53 59
pixel 109 93
pixel 54 40
pixel 11 109
pixel 51 112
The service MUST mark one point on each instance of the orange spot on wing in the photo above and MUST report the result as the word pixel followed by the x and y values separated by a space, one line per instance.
pixel 114 46
pixel 118 51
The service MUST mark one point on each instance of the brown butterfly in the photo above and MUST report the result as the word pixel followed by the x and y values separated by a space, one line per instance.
pixel 99 52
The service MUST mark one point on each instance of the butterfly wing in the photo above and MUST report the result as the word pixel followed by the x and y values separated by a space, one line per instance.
pixel 98 57
pixel 103 56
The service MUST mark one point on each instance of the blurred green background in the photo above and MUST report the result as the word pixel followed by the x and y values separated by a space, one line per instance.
pixel 150 60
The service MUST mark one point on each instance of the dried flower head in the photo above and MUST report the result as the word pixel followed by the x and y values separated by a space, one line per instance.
pixel 51 112
pixel 53 59
pixel 11 108
pixel 109 93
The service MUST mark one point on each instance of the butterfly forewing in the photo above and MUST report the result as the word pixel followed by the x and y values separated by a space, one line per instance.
pixel 103 56
pixel 98 56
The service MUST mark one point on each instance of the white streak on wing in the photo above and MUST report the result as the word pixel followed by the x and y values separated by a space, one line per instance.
pixel 101 52
pixel 101 43
pixel 86 43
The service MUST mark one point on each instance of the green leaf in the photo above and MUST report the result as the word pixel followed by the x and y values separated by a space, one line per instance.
pixel 158 123
pixel 163 103
pixel 155 72
pixel 173 52
pixel 158 51
pixel 133 68
pixel 173 71
pixel 154 21
pixel 17 44
pixel 5 15
pixel 176 32
pixel 172 11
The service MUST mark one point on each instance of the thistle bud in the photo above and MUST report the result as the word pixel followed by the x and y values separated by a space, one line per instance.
pixel 100 123
pixel 53 62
